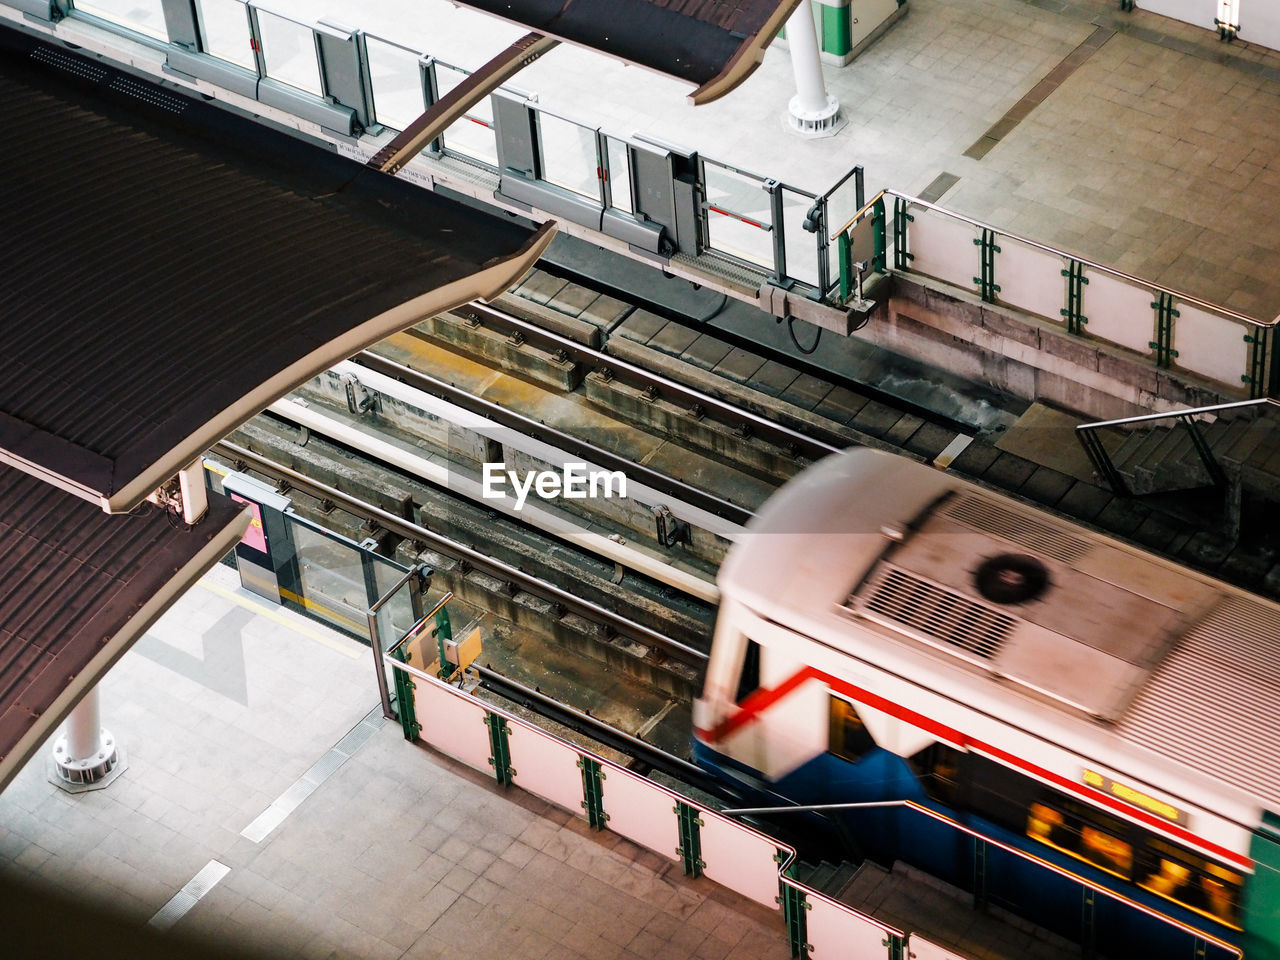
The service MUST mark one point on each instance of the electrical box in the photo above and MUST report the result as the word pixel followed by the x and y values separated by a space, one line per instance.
pixel 462 652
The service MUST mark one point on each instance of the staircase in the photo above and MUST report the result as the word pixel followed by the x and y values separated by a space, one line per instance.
pixel 1233 447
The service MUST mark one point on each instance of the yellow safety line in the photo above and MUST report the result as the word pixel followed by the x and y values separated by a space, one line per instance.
pixel 298 626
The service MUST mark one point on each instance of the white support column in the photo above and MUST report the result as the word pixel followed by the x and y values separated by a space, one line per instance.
pixel 812 112
pixel 195 496
pixel 86 755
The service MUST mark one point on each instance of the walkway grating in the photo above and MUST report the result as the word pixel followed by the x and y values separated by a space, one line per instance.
pixel 189 896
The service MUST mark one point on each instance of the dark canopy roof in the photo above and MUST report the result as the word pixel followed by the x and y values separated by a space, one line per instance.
pixel 167 269
pixel 715 44
pixel 78 586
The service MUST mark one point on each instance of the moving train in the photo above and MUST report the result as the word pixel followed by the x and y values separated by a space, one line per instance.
pixel 1080 732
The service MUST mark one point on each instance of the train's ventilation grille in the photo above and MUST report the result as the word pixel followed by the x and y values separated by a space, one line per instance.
pixel 938 613
pixel 982 514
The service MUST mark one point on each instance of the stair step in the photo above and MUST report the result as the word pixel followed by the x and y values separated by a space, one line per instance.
pixel 821 876
pixel 1134 453
pixel 1247 443
pixel 1173 465
pixel 863 885
pixel 1125 453
pixel 843 877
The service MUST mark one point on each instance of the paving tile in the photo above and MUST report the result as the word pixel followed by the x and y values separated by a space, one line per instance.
pixel 806 391
pixel 771 378
pixel 572 299
pixel 640 325
pixel 674 338
pixel 706 351
pixel 739 364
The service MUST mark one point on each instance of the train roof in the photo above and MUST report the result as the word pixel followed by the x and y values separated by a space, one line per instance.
pixel 1165 658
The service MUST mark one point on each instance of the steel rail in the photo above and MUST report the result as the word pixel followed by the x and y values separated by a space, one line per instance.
pixel 594 455
pixel 535 586
pixel 815 445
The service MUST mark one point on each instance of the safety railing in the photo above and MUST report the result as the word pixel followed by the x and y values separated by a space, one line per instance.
pixel 609 796
pixel 1083 298
pixel 1090 436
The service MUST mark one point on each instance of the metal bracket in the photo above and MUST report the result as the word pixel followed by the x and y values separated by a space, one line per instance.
pixel 987 286
pixel 593 792
pixel 1075 297
pixel 360 399
pixel 690 849
pixel 499 748
pixel 1163 343
pixel 672 531
pixel 404 701
pixel 1257 362
pixel 794 906
pixel 901 257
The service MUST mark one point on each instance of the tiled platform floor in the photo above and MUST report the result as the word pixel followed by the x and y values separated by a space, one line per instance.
pixel 399 853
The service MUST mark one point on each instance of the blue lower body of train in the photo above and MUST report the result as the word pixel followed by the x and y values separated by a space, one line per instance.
pixel 946 847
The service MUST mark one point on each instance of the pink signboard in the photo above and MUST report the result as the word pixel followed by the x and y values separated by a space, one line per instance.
pixel 255 537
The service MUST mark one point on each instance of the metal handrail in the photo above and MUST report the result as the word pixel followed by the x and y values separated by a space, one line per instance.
pixel 1092 264
pixel 1101 460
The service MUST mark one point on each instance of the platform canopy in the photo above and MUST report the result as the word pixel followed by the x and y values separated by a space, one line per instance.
pixel 715 44
pixel 168 269
pixel 77 588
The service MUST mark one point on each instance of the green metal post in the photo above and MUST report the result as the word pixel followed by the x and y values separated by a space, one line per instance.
pixel 1255 378
pixel 690 848
pixel 844 252
pixel 987 285
pixel 444 633
pixel 404 700
pixel 593 792
pixel 1075 297
pixel 896 946
pixel 794 905
pixel 901 257
pixel 1163 343
pixel 499 748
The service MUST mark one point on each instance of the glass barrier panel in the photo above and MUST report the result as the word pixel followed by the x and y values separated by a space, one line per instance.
pixel 738 215
pixel 289 51
pixel 224 31
pixel 396 615
pixel 473 135
pixel 1031 279
pixel 452 723
pixel 1211 345
pixel 836 931
pixel 801 246
pixel 567 151
pixel 1118 311
pixel 641 811
pixel 619 175
pixel 547 767
pixel 739 859
pixel 842 206
pixel 396 79
pixel 944 248
pixel 144 16
pixel 332 574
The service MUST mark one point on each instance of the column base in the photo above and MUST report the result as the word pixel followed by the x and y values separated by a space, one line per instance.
pixel 87 773
pixel 813 124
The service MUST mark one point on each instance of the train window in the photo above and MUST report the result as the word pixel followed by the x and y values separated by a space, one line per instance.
pixel 1186 878
pixel 937 767
pixel 749 679
pixel 1083 833
pixel 849 737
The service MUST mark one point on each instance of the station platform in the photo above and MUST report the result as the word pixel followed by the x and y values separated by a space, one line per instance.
pixel 1134 140
pixel 239 718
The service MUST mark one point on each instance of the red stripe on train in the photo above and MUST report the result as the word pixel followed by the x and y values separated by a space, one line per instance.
pixel 760 700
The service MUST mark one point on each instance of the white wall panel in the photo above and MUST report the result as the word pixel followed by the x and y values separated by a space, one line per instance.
pixel 547 767
pixel 1118 311
pixel 1031 279
pixel 1210 345
pixel 641 811
pixel 740 859
pixel 453 724
pixel 838 934
pixel 944 248
pixel 922 949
